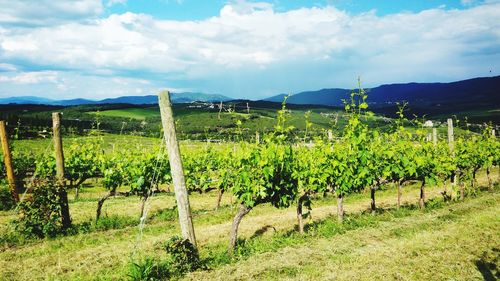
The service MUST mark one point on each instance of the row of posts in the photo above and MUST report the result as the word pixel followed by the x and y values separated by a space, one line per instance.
pixel 185 217
pixel 58 148
pixel 181 195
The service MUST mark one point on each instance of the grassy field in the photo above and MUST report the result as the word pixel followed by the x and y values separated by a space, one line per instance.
pixel 452 241
pixel 202 123
pixel 132 113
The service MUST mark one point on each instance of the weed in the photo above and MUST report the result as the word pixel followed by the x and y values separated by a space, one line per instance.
pixel 149 269
pixel 183 255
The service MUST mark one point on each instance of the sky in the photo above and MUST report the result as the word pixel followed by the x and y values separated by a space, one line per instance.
pixel 97 49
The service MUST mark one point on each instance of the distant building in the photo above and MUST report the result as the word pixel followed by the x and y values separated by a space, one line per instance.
pixel 429 123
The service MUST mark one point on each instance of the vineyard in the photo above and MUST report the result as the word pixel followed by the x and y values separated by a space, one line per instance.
pixel 329 203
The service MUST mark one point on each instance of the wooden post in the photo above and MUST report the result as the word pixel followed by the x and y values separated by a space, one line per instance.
pixel 257 137
pixel 493 133
pixel 451 145
pixel 181 194
pixel 434 136
pixel 7 159
pixel 248 109
pixel 330 135
pixel 58 148
pixel 450 135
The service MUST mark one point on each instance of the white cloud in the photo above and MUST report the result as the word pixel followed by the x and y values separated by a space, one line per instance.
pixel 7 67
pixel 62 85
pixel 47 12
pixel 467 2
pixel 31 77
pixel 115 2
pixel 301 49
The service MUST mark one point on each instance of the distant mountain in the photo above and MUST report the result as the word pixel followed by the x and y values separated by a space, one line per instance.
pixel 330 97
pixel 26 100
pixel 477 91
pixel 277 98
pixel 151 99
pixel 73 102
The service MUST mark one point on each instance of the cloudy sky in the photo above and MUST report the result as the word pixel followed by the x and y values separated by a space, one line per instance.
pixel 243 49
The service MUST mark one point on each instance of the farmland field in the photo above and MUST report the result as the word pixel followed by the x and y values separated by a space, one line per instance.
pixel 132 113
pixel 249 140
pixel 316 195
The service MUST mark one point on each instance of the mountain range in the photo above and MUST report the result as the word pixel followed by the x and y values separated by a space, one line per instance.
pixel 485 91
pixel 150 99
pixel 476 93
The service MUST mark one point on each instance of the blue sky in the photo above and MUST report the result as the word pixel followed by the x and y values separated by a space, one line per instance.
pixel 202 9
pixel 243 49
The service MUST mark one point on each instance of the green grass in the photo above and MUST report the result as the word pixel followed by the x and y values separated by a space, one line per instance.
pixel 105 251
pixel 132 113
pixel 203 120
pixel 440 243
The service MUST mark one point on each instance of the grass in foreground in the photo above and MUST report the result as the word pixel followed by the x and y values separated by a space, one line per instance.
pixel 106 251
pixel 458 241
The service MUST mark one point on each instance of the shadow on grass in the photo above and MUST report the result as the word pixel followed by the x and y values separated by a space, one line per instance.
pixel 325 228
pixel 487 265
pixel 262 230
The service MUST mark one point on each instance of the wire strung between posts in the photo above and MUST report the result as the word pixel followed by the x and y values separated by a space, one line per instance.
pixel 158 165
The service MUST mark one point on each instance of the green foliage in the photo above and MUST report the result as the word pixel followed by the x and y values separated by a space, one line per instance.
pixel 6 200
pixel 145 172
pixel 265 175
pixel 347 166
pixel 24 164
pixel 308 173
pixel 114 171
pixel 149 269
pixel 282 131
pixel 45 167
pixel 2 167
pixel 183 256
pixel 83 161
pixel 142 171
pixel 200 170
pixel 40 215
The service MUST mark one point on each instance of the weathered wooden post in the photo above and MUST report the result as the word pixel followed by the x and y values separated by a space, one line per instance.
pixel 451 145
pixel 58 148
pixel 330 135
pixel 450 135
pixel 257 137
pixel 248 109
pixel 181 194
pixel 7 159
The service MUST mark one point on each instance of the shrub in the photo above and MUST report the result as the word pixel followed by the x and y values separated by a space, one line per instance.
pixel 40 215
pixel 183 258
pixel 183 255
